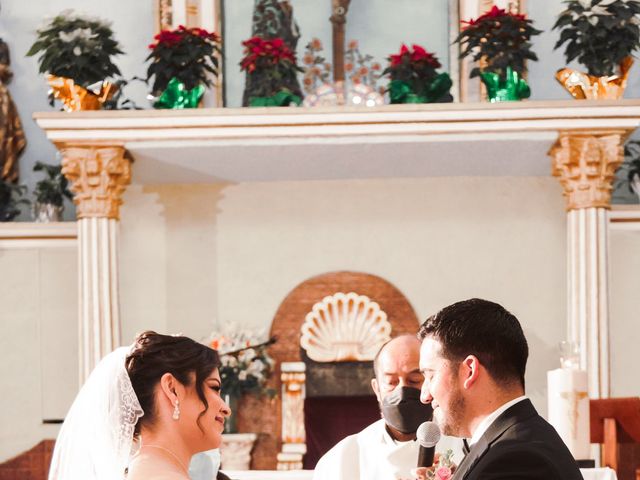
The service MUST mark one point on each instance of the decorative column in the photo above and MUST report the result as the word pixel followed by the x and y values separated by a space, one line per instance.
pixel 293 435
pixel 98 176
pixel 235 451
pixel 585 162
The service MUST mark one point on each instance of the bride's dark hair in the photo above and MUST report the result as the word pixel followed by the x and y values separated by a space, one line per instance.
pixel 155 354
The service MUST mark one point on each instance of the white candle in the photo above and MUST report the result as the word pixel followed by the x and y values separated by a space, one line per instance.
pixel 569 409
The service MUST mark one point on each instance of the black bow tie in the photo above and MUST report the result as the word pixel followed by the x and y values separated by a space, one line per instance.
pixel 465 446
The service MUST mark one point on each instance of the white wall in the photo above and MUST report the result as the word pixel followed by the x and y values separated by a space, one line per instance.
pixel 38 343
pixel 625 319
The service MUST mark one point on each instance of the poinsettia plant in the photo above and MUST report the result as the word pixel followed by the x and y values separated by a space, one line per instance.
pixel 271 63
pixel 499 40
pixel 187 54
pixel 599 34
pixel 78 47
pixel 415 72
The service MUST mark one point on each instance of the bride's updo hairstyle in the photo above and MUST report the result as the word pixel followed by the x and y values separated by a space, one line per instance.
pixel 153 355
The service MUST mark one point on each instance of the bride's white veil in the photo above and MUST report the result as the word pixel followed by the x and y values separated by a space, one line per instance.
pixel 96 437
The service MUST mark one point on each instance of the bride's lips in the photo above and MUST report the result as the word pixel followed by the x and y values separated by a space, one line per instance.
pixel 221 420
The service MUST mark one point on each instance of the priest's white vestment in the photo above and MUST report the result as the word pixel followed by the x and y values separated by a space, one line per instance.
pixel 369 455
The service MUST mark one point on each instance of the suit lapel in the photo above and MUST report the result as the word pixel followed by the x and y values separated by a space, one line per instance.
pixel 514 414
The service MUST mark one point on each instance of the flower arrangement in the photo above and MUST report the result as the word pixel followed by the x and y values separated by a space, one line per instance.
pixel 184 59
pixel 359 68
pixel 271 64
pixel 246 365
pixel 443 470
pixel 77 48
pixel 316 68
pixel 599 34
pixel 415 79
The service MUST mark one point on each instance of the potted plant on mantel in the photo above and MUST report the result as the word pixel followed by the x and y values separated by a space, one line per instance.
pixel 629 173
pixel 500 41
pixel 183 63
pixel 601 35
pixel 10 200
pixel 76 53
pixel 50 194
pixel 415 79
pixel 272 66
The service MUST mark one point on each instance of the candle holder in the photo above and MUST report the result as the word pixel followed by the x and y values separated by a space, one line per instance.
pixel 569 354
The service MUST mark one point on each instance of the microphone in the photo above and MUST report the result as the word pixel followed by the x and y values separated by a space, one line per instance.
pixel 428 435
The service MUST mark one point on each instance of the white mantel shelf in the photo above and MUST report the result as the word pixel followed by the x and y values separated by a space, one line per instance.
pixel 275 144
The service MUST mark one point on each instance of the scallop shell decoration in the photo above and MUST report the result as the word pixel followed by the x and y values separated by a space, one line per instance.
pixel 344 328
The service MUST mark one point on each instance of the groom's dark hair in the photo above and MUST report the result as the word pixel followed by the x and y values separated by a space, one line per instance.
pixel 154 354
pixel 484 329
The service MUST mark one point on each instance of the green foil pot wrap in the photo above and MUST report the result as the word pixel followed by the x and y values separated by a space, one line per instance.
pixel 177 96
pixel 509 89
pixel 437 91
pixel 283 98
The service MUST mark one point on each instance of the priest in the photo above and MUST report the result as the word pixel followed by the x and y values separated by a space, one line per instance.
pixel 386 449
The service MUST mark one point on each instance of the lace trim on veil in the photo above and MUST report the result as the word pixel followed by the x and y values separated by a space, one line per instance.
pixel 96 438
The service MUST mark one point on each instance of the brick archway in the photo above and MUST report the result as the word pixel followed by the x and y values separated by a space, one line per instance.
pixel 264 416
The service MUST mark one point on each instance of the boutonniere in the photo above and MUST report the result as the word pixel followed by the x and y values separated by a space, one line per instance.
pixel 443 469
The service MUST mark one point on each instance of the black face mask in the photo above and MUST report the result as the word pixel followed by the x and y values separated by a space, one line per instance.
pixel 403 410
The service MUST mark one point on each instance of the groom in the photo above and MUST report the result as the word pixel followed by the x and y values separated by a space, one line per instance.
pixel 473 358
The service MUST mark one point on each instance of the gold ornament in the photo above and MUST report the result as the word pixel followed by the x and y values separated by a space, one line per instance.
pixel 589 87
pixel 75 98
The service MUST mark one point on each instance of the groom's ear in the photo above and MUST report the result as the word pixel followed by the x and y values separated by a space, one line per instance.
pixel 469 371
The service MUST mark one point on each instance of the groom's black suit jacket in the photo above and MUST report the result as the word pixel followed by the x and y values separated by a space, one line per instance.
pixel 519 444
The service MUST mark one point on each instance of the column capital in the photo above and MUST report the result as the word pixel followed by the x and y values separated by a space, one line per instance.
pixel 586 162
pixel 98 175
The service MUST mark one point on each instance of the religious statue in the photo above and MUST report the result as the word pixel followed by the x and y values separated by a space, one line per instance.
pixel 274 19
pixel 12 140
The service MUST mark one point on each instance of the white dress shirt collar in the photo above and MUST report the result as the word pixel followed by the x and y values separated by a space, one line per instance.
pixel 489 419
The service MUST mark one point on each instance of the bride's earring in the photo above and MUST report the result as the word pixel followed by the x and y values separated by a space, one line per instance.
pixel 176 410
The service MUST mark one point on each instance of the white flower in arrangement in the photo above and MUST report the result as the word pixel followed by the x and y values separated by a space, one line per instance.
pixel 77 51
pixel 242 375
pixel 81 34
pixel 256 367
pixel 229 361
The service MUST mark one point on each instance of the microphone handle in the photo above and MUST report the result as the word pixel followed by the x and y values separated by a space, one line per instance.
pixel 425 456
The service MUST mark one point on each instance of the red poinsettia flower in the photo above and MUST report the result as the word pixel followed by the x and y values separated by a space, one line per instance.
pixel 262 52
pixel 492 15
pixel 174 37
pixel 397 59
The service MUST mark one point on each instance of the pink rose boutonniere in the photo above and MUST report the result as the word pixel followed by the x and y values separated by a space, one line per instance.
pixel 443 470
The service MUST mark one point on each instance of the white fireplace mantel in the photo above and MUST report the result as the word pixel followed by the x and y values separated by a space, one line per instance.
pixel 279 144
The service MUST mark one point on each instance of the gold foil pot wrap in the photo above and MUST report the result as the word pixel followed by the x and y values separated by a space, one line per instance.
pixel 583 86
pixel 75 98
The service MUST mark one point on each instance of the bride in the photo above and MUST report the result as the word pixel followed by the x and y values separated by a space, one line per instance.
pixel 143 412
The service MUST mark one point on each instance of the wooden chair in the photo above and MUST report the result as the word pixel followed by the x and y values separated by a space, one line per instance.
pixel 616 421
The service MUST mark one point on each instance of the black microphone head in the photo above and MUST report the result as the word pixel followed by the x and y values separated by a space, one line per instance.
pixel 428 434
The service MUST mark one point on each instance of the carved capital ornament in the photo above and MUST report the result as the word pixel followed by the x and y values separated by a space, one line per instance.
pixel 98 177
pixel 585 163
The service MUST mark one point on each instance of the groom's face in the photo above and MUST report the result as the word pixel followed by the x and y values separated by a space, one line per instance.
pixel 441 388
